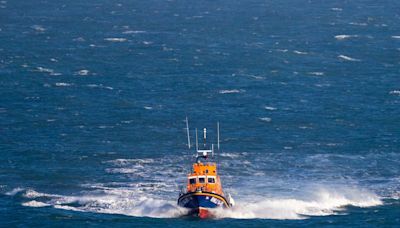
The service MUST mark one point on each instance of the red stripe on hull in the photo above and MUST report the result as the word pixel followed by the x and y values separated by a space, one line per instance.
pixel 204 213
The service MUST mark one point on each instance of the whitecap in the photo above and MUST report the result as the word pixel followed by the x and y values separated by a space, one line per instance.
pixel 343 37
pixel 322 202
pixel 133 32
pixel 83 72
pixel 396 37
pixel 336 9
pixel 35 203
pixel 14 191
pixel 126 121
pixel 227 91
pixel 32 194
pixel 266 119
pixel 229 155
pixel 344 57
pixel 79 39
pixel 115 39
pixel 270 108
pixel 63 84
pixel 38 28
pixel 122 170
pixel 68 208
pixel 358 23
pixel 131 200
pixel 148 107
pixel 395 92
pixel 105 127
pixel 317 73
pixel 99 86
pixel 300 52
pixel 46 70
pixel 122 161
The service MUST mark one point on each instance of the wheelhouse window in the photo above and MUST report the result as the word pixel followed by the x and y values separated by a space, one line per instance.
pixel 211 180
pixel 192 181
pixel 202 180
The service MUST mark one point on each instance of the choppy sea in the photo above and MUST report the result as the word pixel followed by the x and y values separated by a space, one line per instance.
pixel 94 94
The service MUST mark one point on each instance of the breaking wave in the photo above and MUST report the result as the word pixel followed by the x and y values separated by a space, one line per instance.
pixel 321 203
pixel 226 91
pixel 344 57
pixel 128 201
pixel 122 201
pixel 343 37
pixel 115 39
pixel 148 193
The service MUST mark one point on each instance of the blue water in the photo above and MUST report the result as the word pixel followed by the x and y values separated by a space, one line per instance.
pixel 94 95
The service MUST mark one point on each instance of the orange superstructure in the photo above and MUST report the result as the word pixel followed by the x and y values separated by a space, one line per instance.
pixel 205 178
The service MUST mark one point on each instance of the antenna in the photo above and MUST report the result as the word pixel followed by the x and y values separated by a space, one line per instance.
pixel 197 142
pixel 205 136
pixel 218 134
pixel 187 130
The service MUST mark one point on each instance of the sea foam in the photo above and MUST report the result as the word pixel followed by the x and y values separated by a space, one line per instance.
pixel 322 203
pixel 129 201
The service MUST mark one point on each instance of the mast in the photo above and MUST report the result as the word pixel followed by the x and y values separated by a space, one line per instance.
pixel 218 135
pixel 205 136
pixel 197 142
pixel 187 130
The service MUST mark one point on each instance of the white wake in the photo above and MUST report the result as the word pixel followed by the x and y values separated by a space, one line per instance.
pixel 129 201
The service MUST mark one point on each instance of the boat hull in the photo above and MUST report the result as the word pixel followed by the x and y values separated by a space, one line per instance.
pixel 200 203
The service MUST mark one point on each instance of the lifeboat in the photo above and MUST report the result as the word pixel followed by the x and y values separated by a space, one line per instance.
pixel 203 191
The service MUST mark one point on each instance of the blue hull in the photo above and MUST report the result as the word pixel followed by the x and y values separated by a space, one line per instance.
pixel 195 200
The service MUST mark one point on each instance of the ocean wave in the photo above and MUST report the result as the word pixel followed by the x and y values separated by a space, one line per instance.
pixel 270 108
pixel 122 162
pixel 133 32
pixel 38 28
pixel 323 202
pixel 343 37
pixel 316 73
pixel 115 39
pixel 227 91
pixel 300 52
pixel 111 201
pixel 266 119
pixel 230 155
pixel 347 58
pixel 43 69
pixel 129 201
pixel 14 191
pixel 35 203
pixel 154 193
pixel 63 84
pixel 83 72
pixel 358 23
pixel 101 86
